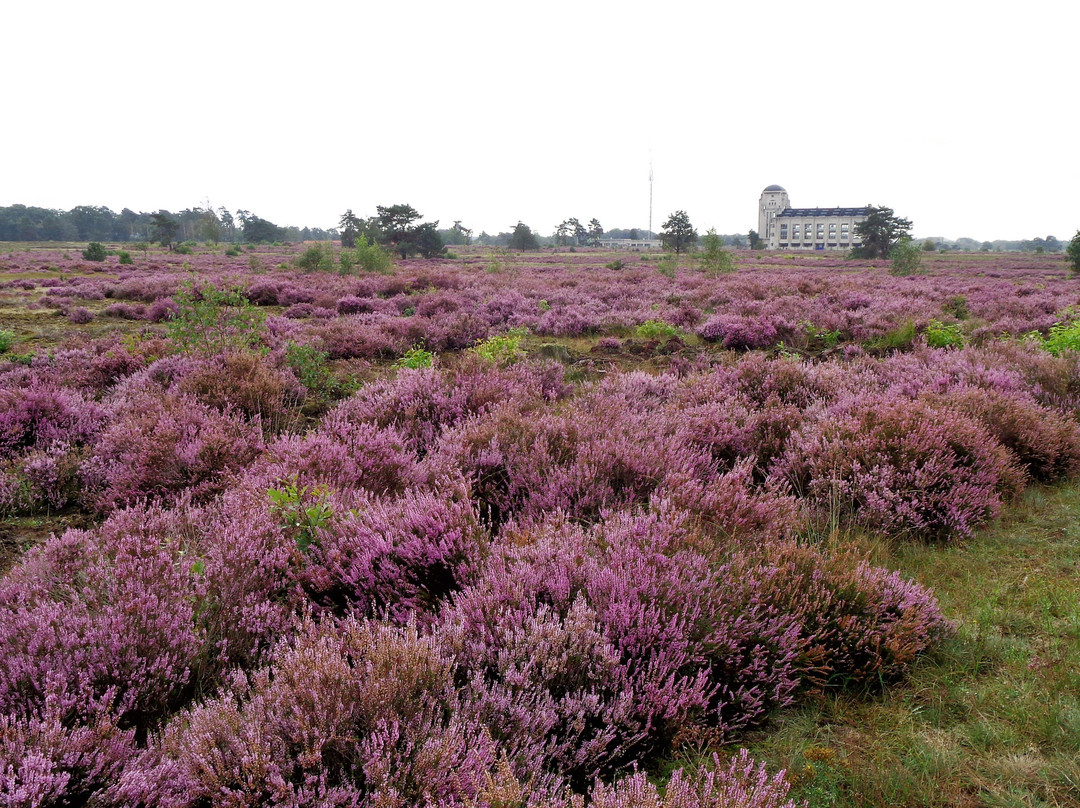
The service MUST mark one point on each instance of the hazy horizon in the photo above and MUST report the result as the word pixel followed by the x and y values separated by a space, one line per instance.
pixel 493 114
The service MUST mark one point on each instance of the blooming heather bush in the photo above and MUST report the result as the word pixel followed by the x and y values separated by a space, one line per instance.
pixel 1042 441
pixel 158 447
pixel 900 466
pixel 98 625
pixel 41 414
pixel 857 623
pixel 52 476
pixel 420 404
pixel 399 557
pixel 161 310
pixel 737 332
pixel 741 784
pixel 344 715
pixel 44 762
pixel 80 316
pixel 344 455
pixel 243 382
pixel 591 649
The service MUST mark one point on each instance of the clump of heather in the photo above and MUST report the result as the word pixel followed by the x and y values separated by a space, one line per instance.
pixel 344 455
pixel 901 466
pixel 741 332
pixel 157 447
pixel 399 557
pixel 344 714
pixel 1043 441
pixel 857 623
pixel 742 783
pixel 98 625
pixel 41 414
pixel 46 761
pixel 590 649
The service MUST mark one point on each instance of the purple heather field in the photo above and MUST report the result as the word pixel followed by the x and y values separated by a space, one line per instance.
pixel 503 530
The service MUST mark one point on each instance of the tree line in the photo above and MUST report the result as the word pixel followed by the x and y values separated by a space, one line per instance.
pixel 97 223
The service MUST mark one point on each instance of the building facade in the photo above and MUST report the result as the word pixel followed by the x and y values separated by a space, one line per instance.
pixel 783 227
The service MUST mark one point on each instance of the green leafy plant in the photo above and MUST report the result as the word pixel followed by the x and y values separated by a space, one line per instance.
pixel 818 339
pixel 302 511
pixel 901 338
pixel 1064 334
pixel 905 258
pixel 125 257
pixel 186 248
pixel 503 349
pixel 715 260
pixel 7 339
pixel 316 257
pixel 309 365
pixel 232 252
pixel 367 256
pixel 95 251
pixel 668 264
pixel 618 263
pixel 939 335
pixel 211 321
pixel 415 358
pixel 657 329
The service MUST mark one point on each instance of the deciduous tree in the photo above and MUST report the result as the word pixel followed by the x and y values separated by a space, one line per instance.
pixel 678 234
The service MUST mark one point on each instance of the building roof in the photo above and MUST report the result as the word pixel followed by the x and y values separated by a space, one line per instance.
pixel 789 213
pixel 774 188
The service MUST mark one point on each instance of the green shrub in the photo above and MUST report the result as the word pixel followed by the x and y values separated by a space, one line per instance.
pixel 618 263
pixel 503 349
pixel 7 339
pixel 185 248
pixel 95 251
pixel 901 338
pixel 302 511
pixel 715 260
pixel 1064 334
pixel 212 321
pixel 316 257
pixel 232 252
pixel 668 264
pixel 657 329
pixel 939 335
pixel 125 257
pixel 368 256
pixel 1072 253
pixel 309 365
pixel 416 358
pixel 906 258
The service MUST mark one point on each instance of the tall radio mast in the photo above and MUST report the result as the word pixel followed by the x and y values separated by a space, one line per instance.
pixel 650 195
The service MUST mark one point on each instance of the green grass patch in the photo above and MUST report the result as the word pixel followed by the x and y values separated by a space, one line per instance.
pixel 991 719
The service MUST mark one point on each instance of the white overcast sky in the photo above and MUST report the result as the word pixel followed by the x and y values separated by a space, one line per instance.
pixel 961 116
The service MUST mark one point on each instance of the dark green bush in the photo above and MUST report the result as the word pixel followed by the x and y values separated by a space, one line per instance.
pixel 95 251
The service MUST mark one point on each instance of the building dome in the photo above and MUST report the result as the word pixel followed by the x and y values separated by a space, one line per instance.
pixel 774 188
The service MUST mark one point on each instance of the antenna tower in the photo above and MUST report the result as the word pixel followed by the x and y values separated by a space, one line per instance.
pixel 650 197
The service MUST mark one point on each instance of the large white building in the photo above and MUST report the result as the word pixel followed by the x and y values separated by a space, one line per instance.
pixel 783 227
